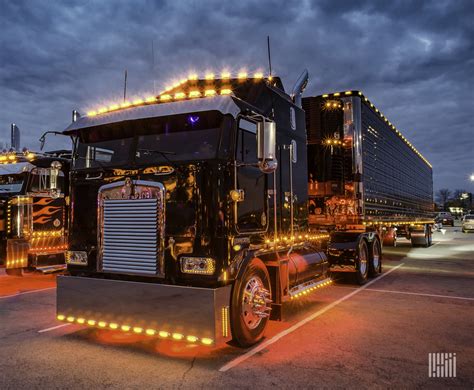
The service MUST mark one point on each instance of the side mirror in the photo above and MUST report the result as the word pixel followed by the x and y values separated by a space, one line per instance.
pixel 266 146
pixel 53 176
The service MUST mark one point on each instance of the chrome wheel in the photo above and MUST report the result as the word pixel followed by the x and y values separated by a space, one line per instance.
pixel 363 262
pixel 255 302
pixel 376 253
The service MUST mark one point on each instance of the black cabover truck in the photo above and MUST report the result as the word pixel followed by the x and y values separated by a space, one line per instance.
pixel 189 216
pixel 33 210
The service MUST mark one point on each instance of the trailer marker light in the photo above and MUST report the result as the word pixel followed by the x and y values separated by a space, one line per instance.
pixel 337 94
pixel 150 332
pixel 177 336
pixel 206 341
pixel 70 319
pixel 137 329
pixel 163 334
pixel 102 324
pixel 179 95
pixel 91 322
pixel 60 317
pixel 226 91
pixel 194 94
pixel 192 339
pixel 81 320
pixel 125 328
pixel 113 325
pixel 348 92
pixel 165 97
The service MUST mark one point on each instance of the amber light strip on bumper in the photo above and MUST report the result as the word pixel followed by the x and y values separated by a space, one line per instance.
pixel 136 329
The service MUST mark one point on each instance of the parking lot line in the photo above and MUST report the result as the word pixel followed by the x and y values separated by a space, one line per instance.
pixel 421 294
pixel 27 292
pixel 53 328
pixel 299 324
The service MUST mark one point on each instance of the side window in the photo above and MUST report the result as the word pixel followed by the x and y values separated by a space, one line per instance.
pixel 252 211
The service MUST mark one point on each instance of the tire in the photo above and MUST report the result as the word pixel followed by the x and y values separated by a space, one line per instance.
pixel 362 262
pixel 375 262
pixel 429 238
pixel 247 326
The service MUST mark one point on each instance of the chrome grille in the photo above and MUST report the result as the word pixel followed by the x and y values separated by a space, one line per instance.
pixel 131 236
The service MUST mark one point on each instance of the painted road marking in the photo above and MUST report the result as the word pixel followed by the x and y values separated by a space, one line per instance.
pixel 53 328
pixel 291 329
pixel 414 293
pixel 27 292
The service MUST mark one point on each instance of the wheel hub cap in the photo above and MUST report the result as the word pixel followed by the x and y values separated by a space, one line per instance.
pixel 255 302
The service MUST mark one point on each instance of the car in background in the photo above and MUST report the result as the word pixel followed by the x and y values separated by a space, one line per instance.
pixel 468 223
pixel 445 218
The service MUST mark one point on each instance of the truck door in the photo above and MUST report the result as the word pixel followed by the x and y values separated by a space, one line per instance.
pixel 252 211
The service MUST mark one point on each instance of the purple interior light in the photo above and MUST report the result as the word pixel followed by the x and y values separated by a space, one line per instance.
pixel 193 119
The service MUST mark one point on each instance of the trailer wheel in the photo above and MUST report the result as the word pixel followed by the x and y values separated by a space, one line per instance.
pixel 375 264
pixel 251 301
pixel 362 267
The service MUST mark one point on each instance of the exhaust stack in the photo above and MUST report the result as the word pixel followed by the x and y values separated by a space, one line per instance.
pixel 298 88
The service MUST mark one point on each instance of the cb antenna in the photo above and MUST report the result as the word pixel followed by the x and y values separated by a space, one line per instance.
pixel 269 55
pixel 125 87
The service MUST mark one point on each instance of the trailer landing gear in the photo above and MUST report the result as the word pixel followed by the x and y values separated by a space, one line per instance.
pixel 251 302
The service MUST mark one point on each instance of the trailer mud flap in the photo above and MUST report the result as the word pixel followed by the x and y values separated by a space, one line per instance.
pixel 190 314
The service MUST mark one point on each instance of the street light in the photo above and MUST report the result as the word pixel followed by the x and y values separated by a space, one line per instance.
pixel 472 177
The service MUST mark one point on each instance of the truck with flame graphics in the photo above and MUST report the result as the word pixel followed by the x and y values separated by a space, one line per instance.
pixel 33 211
pixel 194 214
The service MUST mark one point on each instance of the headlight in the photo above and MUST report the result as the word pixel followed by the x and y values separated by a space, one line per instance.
pixel 76 257
pixel 198 265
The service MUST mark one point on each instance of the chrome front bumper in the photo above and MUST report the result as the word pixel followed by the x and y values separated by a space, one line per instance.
pixel 192 314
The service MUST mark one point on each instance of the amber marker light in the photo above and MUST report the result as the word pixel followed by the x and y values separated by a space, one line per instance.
pixel 125 104
pixel 258 75
pixel 209 92
pixel 102 110
pixel 225 75
pixel 179 95
pixel 81 320
pixel 209 76
pixel 192 339
pixel 194 94
pixel 193 76
pixel 163 334
pixel 102 324
pixel 150 99
pixel 60 317
pixel 177 336
pixel 206 341
pixel 137 329
pixel 114 107
pixel 70 319
pixel 242 75
pixel 91 322
pixel 92 113
pixel 125 328
pixel 226 91
pixel 113 325
pixel 165 97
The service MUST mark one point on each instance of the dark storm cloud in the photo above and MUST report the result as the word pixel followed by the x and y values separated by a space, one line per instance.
pixel 414 59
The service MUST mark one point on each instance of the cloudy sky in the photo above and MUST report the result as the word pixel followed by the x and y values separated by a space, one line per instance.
pixel 413 59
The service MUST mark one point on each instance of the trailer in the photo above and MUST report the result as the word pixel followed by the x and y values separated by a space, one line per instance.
pixel 33 211
pixel 189 217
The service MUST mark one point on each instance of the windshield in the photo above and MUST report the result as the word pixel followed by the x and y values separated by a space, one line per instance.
pixel 199 136
pixel 11 183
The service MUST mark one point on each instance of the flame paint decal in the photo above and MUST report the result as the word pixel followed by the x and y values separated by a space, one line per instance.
pixel 46 211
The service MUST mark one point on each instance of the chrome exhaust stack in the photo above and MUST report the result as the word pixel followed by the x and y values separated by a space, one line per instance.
pixel 299 87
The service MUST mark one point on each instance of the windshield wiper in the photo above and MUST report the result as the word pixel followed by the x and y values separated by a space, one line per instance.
pixel 162 153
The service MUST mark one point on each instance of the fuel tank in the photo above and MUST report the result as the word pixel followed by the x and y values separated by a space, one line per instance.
pixel 306 264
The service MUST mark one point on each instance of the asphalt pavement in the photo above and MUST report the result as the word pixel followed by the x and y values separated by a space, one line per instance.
pixel 344 336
